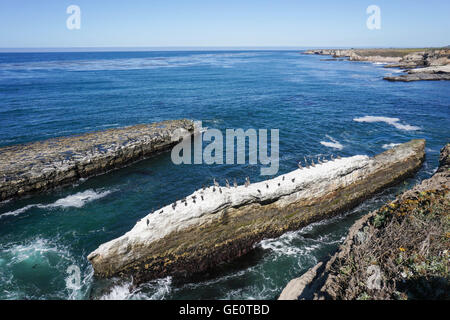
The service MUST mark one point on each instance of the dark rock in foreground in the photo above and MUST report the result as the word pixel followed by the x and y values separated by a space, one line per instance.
pixel 400 251
pixel 43 165
pixel 218 224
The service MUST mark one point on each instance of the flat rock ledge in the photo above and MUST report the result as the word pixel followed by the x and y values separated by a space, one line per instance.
pixel 40 166
pixel 322 281
pixel 218 224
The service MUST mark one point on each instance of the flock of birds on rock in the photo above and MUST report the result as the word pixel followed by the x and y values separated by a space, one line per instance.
pixel 216 185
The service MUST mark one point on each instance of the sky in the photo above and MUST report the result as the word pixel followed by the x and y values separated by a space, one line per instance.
pixel 225 23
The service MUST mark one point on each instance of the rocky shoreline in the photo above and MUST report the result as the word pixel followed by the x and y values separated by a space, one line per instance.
pixel 419 64
pixel 399 251
pixel 220 223
pixel 43 165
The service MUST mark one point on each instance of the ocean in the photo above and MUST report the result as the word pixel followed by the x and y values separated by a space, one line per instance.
pixel 321 108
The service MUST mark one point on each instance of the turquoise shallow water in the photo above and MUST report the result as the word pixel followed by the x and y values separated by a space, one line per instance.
pixel 313 103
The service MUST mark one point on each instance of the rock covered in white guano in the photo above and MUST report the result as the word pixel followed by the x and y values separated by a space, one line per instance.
pixel 218 224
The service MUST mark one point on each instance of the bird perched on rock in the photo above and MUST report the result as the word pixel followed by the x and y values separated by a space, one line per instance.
pixel 331 157
pixel 318 160
pixel 283 178
pixel 220 190
pixel 339 157
pixel 278 184
pixel 293 179
pixel 203 187
pixel 235 183
pixel 299 164
pixel 227 184
pixel 148 222
pixel 267 186
pixel 259 191
pixel 174 205
pixel 214 189
pixel 161 211
pixel 247 182
pixel 202 198
pixel 312 163
pixel 216 184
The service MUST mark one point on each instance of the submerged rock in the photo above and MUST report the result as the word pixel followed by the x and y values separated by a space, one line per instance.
pixel 39 166
pixel 211 227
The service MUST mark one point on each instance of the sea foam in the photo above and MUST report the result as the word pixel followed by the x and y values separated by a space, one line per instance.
pixel 392 121
pixel 77 200
pixel 332 144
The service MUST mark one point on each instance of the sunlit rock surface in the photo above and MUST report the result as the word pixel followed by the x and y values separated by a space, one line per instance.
pixel 42 165
pixel 413 268
pixel 218 224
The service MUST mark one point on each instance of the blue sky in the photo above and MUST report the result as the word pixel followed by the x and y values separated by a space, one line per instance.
pixel 211 23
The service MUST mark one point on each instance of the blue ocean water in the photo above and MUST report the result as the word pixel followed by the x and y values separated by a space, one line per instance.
pixel 320 107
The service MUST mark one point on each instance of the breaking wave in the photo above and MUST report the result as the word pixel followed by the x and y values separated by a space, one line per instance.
pixel 332 144
pixel 77 200
pixel 392 121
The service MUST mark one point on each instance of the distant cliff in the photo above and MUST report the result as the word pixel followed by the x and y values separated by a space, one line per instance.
pixel 400 251
pixel 420 64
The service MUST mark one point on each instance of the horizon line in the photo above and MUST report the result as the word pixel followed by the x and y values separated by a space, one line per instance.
pixel 188 48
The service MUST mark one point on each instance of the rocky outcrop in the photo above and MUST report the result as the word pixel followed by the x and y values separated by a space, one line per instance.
pixel 397 252
pixel 427 73
pixel 430 64
pixel 357 55
pixel 43 165
pixel 218 224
